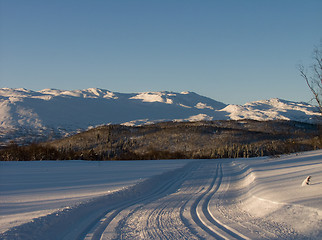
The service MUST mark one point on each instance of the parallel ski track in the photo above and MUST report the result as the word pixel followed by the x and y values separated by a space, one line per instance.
pixel 176 208
pixel 88 220
pixel 96 229
pixel 157 219
pixel 206 210
pixel 202 216
pixel 164 218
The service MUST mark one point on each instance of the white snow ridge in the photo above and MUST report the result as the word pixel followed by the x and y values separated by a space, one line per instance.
pixel 58 112
pixel 273 109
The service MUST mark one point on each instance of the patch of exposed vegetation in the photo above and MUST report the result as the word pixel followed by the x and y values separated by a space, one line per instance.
pixel 174 140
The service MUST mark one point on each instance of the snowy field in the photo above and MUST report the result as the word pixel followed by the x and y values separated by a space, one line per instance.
pixel 33 189
pixel 260 198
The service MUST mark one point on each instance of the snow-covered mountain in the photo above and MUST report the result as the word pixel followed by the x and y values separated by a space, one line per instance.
pixel 273 109
pixel 53 112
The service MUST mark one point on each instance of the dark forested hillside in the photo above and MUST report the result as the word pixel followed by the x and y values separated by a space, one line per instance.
pixel 166 140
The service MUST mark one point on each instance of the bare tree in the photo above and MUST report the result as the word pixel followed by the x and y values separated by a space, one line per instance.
pixel 314 78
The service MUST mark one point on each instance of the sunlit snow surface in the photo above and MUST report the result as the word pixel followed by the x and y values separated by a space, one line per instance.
pixel 260 198
pixel 52 112
pixel 33 189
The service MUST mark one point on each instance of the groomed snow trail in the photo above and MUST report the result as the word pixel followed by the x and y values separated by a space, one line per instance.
pixel 193 202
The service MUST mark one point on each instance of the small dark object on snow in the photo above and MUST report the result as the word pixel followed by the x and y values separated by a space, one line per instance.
pixel 306 181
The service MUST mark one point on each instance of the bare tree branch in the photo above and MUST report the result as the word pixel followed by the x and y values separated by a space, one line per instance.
pixel 314 81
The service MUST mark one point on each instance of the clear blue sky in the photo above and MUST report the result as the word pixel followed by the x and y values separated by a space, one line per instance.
pixel 232 51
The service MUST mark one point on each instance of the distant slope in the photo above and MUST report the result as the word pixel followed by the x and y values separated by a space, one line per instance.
pixel 273 109
pixel 176 140
pixel 31 115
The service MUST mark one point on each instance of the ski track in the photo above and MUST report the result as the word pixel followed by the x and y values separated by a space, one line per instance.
pixel 163 218
pixel 185 203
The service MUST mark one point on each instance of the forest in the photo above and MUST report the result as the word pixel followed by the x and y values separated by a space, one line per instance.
pixel 175 140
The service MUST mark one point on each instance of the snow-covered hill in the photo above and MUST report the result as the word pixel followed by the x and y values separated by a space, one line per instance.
pixel 55 112
pixel 273 109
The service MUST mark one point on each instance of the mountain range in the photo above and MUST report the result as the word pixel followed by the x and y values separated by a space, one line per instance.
pixel 27 115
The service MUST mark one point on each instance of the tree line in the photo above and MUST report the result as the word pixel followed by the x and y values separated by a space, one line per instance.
pixel 218 139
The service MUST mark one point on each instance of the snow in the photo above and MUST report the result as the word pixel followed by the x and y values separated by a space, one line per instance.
pixel 86 93
pixel 201 105
pixel 259 198
pixel 149 97
pixel 139 122
pixel 32 189
pixel 272 109
pixel 182 105
pixel 63 112
pixel 199 117
pixel 277 193
pixel 55 110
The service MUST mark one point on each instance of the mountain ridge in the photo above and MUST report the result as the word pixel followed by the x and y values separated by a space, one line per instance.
pixel 54 112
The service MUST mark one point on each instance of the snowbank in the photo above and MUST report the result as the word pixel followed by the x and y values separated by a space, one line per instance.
pixel 273 191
